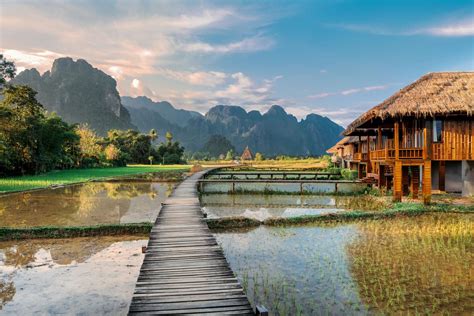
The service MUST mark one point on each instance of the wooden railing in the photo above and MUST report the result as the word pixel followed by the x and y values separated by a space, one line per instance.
pixel 357 156
pixel 379 154
pixel 411 153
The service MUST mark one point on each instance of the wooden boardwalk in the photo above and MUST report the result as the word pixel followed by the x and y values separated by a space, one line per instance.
pixel 184 270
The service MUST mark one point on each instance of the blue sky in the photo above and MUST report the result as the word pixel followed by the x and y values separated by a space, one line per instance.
pixel 334 58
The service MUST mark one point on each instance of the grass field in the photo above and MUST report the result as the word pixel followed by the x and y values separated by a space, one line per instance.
pixel 62 177
pixel 272 164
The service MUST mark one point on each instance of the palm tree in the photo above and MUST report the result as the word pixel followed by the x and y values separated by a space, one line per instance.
pixel 153 134
pixel 169 137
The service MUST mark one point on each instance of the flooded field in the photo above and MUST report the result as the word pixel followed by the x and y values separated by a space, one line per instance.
pixel 418 265
pixel 85 204
pixel 261 207
pixel 86 276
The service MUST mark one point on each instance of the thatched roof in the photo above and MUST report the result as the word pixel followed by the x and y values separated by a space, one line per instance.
pixel 247 154
pixel 346 140
pixel 437 93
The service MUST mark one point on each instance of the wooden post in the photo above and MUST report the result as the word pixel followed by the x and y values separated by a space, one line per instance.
pixel 427 182
pixel 379 138
pixel 442 176
pixel 397 181
pixel 396 134
pixel 369 166
pixel 260 310
pixel 405 181
pixel 381 175
pixel 415 181
pixel 428 140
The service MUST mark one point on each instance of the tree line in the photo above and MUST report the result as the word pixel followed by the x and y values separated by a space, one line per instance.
pixel 34 141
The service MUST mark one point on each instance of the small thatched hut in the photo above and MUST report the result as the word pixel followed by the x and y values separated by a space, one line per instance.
pixel 247 154
pixel 423 133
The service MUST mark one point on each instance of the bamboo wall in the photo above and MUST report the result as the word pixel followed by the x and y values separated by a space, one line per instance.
pixel 457 141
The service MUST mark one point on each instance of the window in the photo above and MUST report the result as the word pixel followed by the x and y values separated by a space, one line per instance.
pixel 437 131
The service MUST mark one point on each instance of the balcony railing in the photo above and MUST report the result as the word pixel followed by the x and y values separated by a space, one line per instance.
pixel 411 153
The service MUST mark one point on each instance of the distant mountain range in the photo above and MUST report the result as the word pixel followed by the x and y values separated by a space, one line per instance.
pixel 79 93
pixel 272 133
pixel 82 94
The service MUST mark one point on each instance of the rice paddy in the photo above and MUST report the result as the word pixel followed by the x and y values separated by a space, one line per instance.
pixel 63 177
pixel 404 265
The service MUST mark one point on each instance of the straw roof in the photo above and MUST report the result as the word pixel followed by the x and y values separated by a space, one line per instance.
pixel 247 154
pixel 437 93
pixel 346 140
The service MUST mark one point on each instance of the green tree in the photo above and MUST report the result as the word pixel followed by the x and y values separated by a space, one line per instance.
pixel 33 141
pixel 259 157
pixel 89 145
pixel 217 145
pixel 153 134
pixel 230 155
pixel 169 137
pixel 7 70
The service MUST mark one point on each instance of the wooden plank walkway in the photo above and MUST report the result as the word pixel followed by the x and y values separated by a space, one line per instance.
pixel 184 270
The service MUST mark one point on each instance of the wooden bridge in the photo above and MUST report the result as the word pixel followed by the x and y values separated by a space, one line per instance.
pixel 184 270
pixel 270 175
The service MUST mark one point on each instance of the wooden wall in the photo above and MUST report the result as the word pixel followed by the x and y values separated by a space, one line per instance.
pixel 457 141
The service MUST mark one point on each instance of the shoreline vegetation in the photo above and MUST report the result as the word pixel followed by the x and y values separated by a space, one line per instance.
pixel 17 233
pixel 75 176
pixel 399 210
pixel 229 223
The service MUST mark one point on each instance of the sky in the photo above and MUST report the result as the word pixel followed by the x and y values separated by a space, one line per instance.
pixel 335 58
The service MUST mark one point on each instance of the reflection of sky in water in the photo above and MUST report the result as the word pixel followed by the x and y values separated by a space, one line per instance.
pixel 300 266
pixel 71 276
pixel 262 213
pixel 261 207
pixel 85 204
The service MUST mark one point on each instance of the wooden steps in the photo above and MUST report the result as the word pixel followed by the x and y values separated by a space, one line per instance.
pixel 184 270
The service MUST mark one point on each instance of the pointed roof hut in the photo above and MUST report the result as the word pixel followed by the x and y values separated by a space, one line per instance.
pixel 247 154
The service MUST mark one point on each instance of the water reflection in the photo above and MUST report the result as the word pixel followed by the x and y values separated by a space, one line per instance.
pixel 406 265
pixel 295 271
pixel 85 204
pixel 78 276
pixel 420 265
pixel 261 207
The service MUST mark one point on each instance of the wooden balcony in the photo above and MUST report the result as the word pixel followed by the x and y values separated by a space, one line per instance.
pixel 357 157
pixel 411 153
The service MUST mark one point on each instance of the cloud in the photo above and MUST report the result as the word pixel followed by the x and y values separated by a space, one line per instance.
pixel 198 78
pixel 130 39
pixel 237 89
pixel 253 44
pixel 450 29
pixel 348 91
pixel 42 60
pixel 465 28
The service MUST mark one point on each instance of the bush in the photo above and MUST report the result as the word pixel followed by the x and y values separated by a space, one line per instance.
pixel 348 174
pixel 334 170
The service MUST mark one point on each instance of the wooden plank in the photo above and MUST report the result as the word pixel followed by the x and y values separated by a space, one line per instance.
pixel 184 270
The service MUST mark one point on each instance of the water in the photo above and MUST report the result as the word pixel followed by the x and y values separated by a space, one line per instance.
pixel 85 204
pixel 89 276
pixel 261 207
pixel 417 265
pixel 284 187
